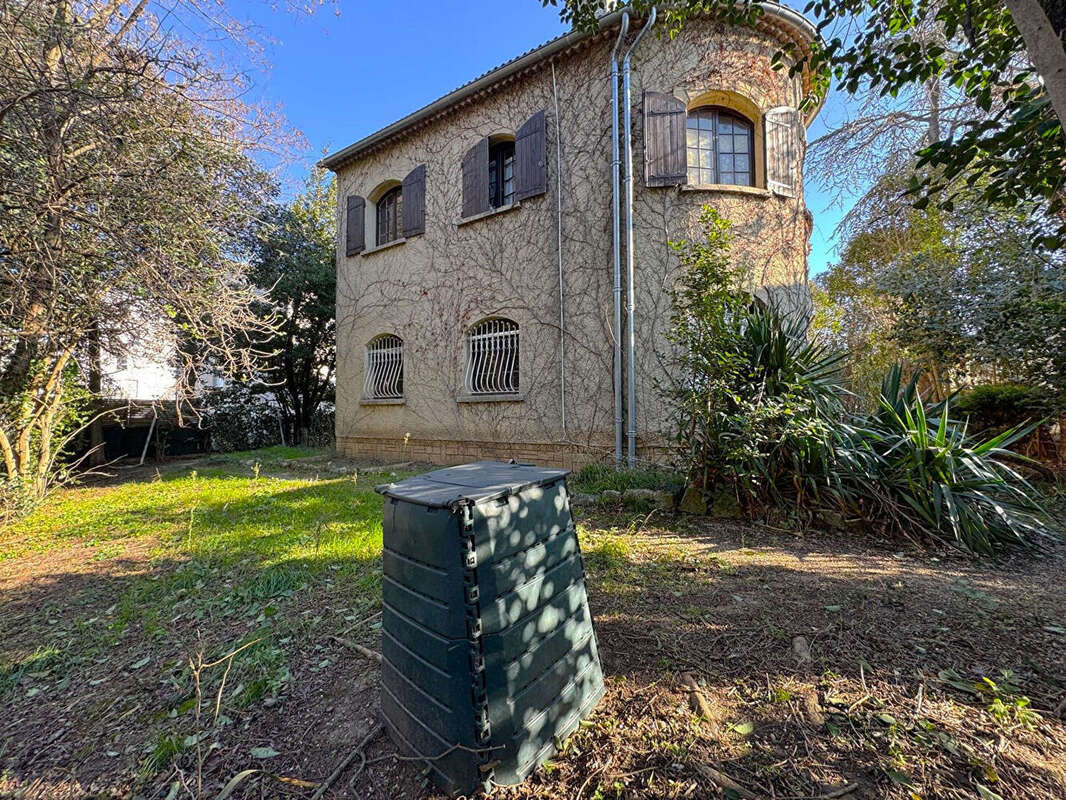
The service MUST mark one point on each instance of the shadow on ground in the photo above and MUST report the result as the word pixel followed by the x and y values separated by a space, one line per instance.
pixel 824 663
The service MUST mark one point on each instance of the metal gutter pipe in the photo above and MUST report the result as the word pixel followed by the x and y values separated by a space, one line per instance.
pixel 627 124
pixel 617 230
pixel 559 242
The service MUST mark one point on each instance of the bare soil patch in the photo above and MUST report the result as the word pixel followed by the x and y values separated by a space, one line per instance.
pixel 828 667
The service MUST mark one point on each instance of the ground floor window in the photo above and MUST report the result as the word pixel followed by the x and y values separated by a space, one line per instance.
pixel 384 368
pixel 492 357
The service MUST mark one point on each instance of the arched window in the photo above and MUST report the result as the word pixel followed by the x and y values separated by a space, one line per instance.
pixel 384 368
pixel 492 357
pixel 390 216
pixel 721 147
pixel 501 173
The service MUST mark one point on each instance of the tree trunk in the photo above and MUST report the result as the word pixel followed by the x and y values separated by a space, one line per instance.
pixel 1041 24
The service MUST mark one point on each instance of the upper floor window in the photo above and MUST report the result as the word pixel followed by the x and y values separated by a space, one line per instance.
pixel 390 216
pixel 500 171
pixel 501 174
pixel 720 148
pixel 384 368
pixel 492 357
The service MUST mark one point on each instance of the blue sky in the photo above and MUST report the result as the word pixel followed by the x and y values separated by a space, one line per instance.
pixel 340 76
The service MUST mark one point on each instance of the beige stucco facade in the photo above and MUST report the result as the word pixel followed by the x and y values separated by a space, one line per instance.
pixel 429 289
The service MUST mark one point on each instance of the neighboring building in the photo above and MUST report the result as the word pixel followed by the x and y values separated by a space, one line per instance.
pixel 475 310
pixel 140 387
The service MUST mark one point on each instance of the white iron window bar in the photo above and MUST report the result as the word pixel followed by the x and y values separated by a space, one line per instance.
pixel 492 357
pixel 384 368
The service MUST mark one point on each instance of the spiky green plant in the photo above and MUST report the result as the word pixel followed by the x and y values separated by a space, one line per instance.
pixel 922 472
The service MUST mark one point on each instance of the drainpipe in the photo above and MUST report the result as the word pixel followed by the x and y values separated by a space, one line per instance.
pixel 559 242
pixel 617 229
pixel 627 124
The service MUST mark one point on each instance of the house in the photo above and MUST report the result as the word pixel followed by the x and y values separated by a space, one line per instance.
pixel 136 381
pixel 476 279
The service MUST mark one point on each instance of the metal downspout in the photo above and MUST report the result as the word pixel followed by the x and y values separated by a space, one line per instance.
pixel 559 242
pixel 617 229
pixel 627 124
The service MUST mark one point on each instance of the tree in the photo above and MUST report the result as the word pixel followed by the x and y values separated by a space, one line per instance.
pixel 295 264
pixel 127 184
pixel 965 296
pixel 1014 151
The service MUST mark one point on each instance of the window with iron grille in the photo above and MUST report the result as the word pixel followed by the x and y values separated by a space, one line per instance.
pixel 390 216
pixel 384 368
pixel 501 174
pixel 492 357
pixel 720 148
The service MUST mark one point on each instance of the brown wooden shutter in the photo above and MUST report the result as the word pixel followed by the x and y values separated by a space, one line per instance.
pixel 530 159
pixel 782 150
pixel 476 179
pixel 414 201
pixel 353 225
pixel 665 155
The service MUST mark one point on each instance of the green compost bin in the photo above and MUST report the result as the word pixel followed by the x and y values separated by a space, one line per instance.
pixel 487 638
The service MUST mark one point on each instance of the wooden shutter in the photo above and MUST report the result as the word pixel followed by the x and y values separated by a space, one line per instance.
pixel 665 155
pixel 782 150
pixel 476 179
pixel 530 158
pixel 414 201
pixel 354 220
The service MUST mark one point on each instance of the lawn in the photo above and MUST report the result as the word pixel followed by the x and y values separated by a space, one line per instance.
pixel 823 663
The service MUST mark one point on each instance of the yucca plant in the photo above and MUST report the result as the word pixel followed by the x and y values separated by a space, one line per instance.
pixel 758 412
pixel 913 467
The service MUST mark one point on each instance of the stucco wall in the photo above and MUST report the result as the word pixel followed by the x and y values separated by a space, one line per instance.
pixel 431 288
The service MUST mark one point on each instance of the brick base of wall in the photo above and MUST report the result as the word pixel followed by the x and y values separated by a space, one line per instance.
pixel 446 452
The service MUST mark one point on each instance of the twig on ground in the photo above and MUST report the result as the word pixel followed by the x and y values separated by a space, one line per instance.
pixel 723 780
pixel 843 790
pixel 357 752
pixel 363 651
pixel 360 623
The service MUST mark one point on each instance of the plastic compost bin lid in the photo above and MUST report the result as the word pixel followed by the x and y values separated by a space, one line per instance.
pixel 474 483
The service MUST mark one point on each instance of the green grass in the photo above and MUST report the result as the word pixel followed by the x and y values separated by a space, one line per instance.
pixel 201 558
pixel 596 478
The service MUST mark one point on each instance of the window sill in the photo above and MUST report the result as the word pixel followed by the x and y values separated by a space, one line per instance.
pixel 726 188
pixel 490 398
pixel 378 248
pixel 492 212
pixel 383 401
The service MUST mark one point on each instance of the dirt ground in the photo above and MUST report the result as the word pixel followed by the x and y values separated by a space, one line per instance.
pixel 827 667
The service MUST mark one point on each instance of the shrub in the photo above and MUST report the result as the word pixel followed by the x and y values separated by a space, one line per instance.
pixel 240 419
pixel 750 396
pixel 758 411
pixel 996 407
pixel 912 469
